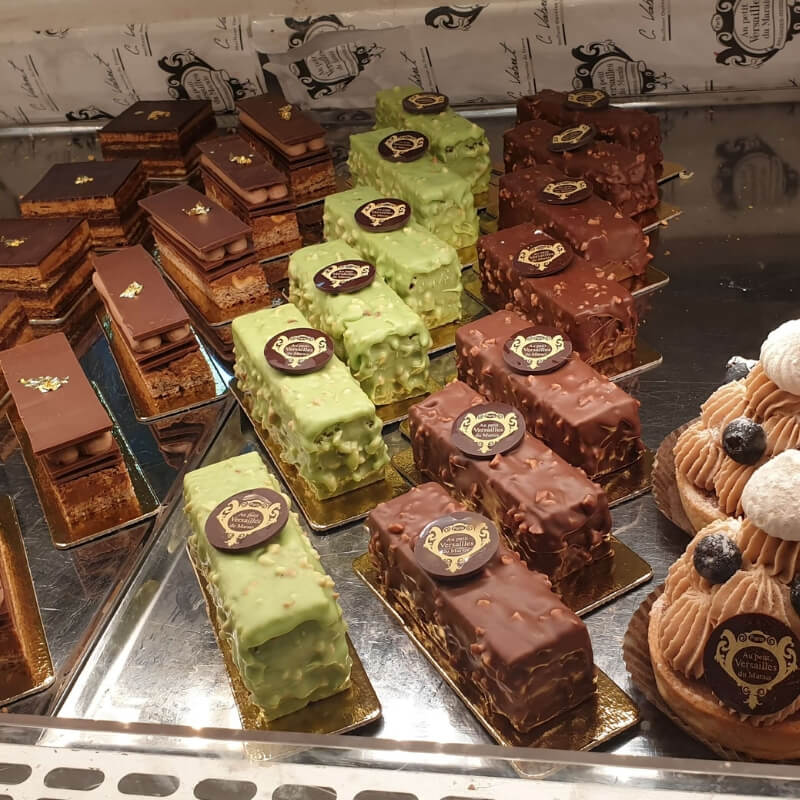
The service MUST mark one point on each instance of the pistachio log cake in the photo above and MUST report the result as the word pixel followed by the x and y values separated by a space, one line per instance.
pixel 381 339
pixel 307 401
pixel 550 512
pixel 742 424
pixel 459 144
pixel 398 164
pixel 423 270
pixel 273 601
pixel 491 621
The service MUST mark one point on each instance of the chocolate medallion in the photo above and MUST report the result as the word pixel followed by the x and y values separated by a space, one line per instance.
pixel 536 350
pixel 542 257
pixel 572 138
pixel 566 192
pixel 246 520
pixel 383 215
pixel 345 277
pixel 751 664
pixel 425 103
pixel 457 545
pixel 587 100
pixel 487 430
pixel 403 146
pixel 299 350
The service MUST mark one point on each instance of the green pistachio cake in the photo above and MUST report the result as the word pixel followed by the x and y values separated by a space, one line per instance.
pixel 322 421
pixel 422 269
pixel 274 602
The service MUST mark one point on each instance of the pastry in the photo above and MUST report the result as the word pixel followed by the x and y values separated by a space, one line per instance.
pixel 741 425
pixel 497 624
pixel 459 144
pixel 621 176
pixel 374 332
pixel 76 458
pixel 14 328
pixel 157 349
pixel 106 193
pixel 569 211
pixel 724 637
pixel 240 179
pixel 523 269
pixel 307 401
pixel 588 420
pixel 550 512
pixel 162 133
pixel 397 163
pixel 274 604
pixel 423 270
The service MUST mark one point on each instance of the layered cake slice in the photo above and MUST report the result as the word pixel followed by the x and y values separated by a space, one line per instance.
pixel 617 174
pixel 550 512
pixel 525 270
pixel 459 144
pixel 14 327
pixel 585 418
pixel 76 458
pixel 423 270
pixel 398 164
pixel 493 622
pixel 381 339
pixel 106 193
pixel 569 211
pixel 159 354
pixel 274 604
pixel 307 401
pixel 162 133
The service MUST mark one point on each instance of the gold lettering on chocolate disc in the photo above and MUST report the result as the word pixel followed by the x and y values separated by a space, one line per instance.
pixel 537 348
pixel 44 383
pixel 423 100
pixel 241 519
pixel 285 112
pixel 380 212
pixel 399 144
pixel 242 161
pixel 197 210
pixel 564 189
pixel 81 179
pixel 133 289
pixel 299 347
pixel 587 97
pixel 571 134
pixel 488 428
pixel 353 272
pixel 541 256
pixel 456 543
pixel 158 114
pixel 756 662
pixel 12 242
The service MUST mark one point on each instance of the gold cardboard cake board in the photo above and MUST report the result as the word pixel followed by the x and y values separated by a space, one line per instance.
pixel 135 391
pixel 60 532
pixel 670 170
pixel 597 720
pixel 444 337
pixel 397 411
pixel 661 215
pixel 83 302
pixel 37 672
pixel 322 515
pixel 356 706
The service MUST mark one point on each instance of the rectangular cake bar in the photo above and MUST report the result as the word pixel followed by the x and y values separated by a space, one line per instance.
pixel 598 315
pixel 323 422
pixel 585 418
pixel 375 333
pixel 274 603
pixel 592 227
pixel 617 174
pixel 551 513
pixel 459 144
pixel 423 270
pixel 502 629
pixel 441 200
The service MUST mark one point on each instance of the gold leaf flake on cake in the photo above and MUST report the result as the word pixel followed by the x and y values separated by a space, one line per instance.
pixel 285 112
pixel 197 210
pixel 159 114
pixel 132 290
pixel 81 179
pixel 44 383
pixel 16 242
pixel 240 160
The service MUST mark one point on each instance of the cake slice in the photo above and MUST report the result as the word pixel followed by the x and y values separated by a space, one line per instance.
pixel 423 270
pixel 381 339
pixel 272 601
pixel 323 423
pixel 14 328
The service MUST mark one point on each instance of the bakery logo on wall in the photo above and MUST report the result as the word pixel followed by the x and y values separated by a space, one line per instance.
pixel 246 520
pixel 345 277
pixel 753 31
pixel 307 28
pixel 53 33
pixel 605 66
pixel 329 71
pixel 89 112
pixel 536 350
pixel 453 18
pixel 191 78
pixel 299 351
pixel 457 545
pixel 488 430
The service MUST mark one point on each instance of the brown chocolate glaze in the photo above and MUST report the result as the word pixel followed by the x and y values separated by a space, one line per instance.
pixel 598 315
pixel 265 111
pixel 551 513
pixel 231 154
pixel 589 421
pixel 159 116
pixel 593 228
pixel 631 127
pixel 27 241
pixel 617 174
pixel 58 184
pixel 502 630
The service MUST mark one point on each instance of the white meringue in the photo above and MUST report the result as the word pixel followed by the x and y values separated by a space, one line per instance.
pixel 770 498
pixel 780 356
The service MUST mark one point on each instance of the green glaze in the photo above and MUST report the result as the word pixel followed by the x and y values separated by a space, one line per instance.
pixel 323 422
pixel 455 141
pixel 383 341
pixel 275 604
pixel 440 199
pixel 422 269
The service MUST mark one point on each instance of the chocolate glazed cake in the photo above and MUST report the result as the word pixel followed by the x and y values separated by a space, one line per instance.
pixel 500 628
pixel 550 512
